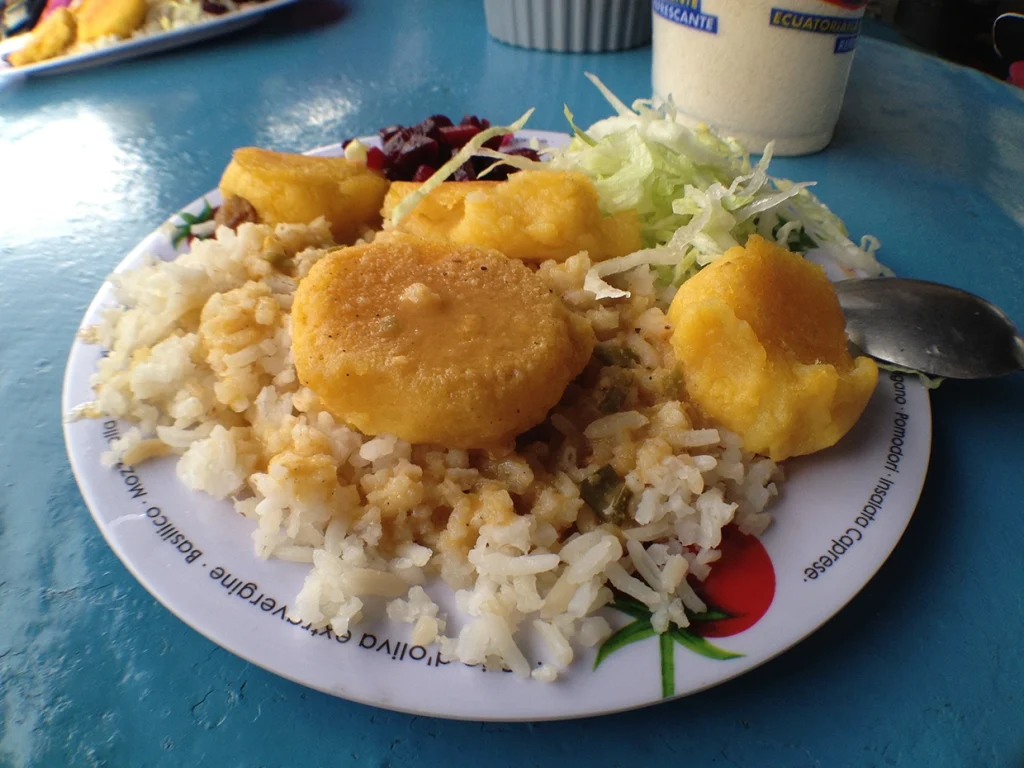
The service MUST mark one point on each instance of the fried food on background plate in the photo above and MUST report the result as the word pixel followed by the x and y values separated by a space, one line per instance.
pixel 287 188
pixel 105 18
pixel 435 343
pixel 50 38
pixel 761 340
pixel 533 216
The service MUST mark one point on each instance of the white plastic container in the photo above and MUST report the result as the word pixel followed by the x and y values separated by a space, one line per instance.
pixel 759 70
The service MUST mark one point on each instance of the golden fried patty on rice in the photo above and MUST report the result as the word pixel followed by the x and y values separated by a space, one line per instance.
pixel 435 343
pixel 534 216
pixel 102 18
pixel 761 341
pixel 284 188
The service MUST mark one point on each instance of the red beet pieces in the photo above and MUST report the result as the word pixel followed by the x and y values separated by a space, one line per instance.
pixel 414 153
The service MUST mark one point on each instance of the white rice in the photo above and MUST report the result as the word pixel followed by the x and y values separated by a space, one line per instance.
pixel 200 361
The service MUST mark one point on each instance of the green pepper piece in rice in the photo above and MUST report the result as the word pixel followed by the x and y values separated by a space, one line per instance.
pixel 606 493
pixel 612 401
pixel 613 354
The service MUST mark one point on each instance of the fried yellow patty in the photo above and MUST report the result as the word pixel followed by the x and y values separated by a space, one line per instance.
pixel 534 216
pixel 286 188
pixel 761 340
pixel 50 38
pixel 435 343
pixel 102 18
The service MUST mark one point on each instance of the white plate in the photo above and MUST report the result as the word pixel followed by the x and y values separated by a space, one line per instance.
pixel 141 46
pixel 840 514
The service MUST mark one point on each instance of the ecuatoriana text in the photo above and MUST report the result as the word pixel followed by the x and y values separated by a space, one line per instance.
pixel 811 22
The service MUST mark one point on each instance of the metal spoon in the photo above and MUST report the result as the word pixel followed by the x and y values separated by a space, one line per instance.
pixel 931 328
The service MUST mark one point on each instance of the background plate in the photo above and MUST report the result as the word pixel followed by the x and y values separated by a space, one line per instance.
pixel 142 46
pixel 840 514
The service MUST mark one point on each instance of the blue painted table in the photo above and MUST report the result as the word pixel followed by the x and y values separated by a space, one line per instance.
pixel 923 668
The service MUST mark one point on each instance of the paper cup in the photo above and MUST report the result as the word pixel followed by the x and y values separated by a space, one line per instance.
pixel 759 70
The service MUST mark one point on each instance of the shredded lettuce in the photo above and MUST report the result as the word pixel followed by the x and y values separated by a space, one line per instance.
pixel 579 133
pixel 516 161
pixel 696 194
pixel 927 381
pixel 356 151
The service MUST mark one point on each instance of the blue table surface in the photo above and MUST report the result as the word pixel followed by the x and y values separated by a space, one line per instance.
pixel 924 668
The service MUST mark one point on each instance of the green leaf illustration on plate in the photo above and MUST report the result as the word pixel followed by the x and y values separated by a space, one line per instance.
pixel 738 592
pixel 640 629
pixel 184 230
pixel 698 644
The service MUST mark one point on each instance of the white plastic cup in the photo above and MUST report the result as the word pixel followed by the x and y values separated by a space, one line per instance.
pixel 758 70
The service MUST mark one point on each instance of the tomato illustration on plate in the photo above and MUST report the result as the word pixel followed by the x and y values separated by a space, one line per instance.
pixel 738 592
pixel 739 589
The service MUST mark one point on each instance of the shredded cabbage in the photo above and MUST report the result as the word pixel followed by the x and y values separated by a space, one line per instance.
pixel 927 381
pixel 695 192
pixel 696 195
